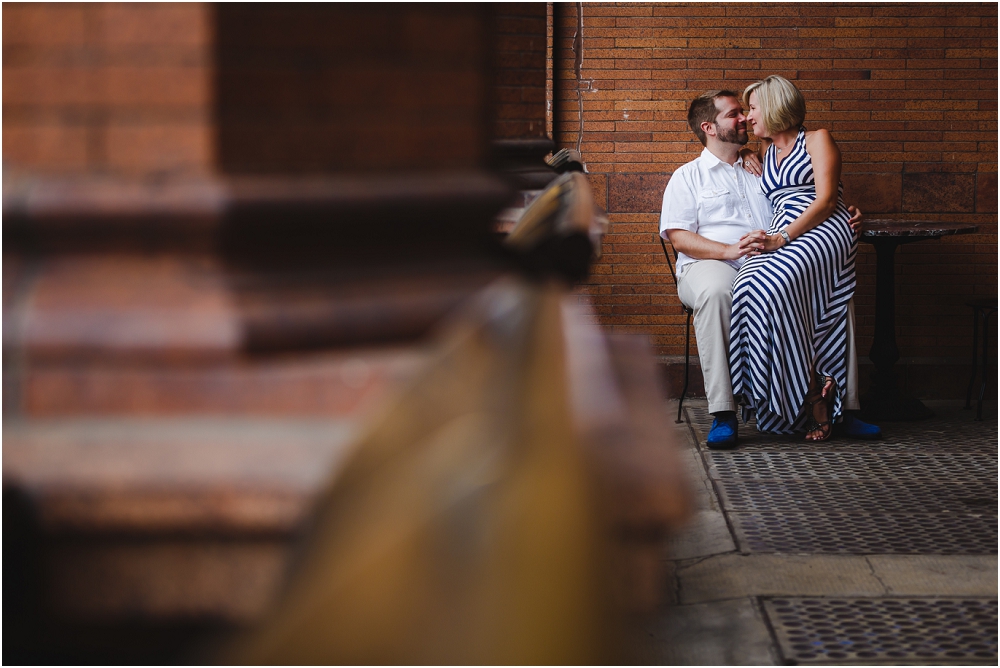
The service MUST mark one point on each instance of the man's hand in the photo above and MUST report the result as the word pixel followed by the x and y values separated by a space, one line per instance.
pixel 698 247
pixel 733 252
pixel 857 220
pixel 752 243
pixel 751 162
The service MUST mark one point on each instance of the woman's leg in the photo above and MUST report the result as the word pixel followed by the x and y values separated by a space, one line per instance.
pixel 819 407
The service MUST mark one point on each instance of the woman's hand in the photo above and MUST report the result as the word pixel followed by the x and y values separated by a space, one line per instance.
pixel 773 242
pixel 857 220
pixel 752 243
pixel 751 162
pixel 757 242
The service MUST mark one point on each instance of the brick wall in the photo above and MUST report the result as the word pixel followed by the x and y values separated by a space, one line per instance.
pixel 114 88
pixel 519 91
pixel 349 87
pixel 166 89
pixel 909 92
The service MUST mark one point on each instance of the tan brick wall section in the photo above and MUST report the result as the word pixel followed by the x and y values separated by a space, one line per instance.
pixel 909 92
pixel 113 88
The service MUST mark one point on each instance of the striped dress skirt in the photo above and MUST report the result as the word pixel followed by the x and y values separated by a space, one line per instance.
pixel 790 306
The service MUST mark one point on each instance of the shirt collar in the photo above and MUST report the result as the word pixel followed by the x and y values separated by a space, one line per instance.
pixel 712 160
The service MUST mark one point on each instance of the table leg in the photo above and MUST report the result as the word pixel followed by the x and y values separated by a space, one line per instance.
pixel 885 401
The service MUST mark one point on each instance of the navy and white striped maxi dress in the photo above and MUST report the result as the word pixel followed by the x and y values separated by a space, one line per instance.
pixel 790 305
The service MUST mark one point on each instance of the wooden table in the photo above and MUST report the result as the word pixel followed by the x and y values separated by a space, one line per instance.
pixel 884 401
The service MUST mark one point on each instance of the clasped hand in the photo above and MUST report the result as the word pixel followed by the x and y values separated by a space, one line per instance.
pixel 757 242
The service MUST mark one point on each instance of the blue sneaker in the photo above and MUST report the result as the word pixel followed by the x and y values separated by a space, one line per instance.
pixel 852 427
pixel 722 435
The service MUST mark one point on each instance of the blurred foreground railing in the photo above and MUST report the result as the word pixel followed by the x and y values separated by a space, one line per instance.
pixel 316 421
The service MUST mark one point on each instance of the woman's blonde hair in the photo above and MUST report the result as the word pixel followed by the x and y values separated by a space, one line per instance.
pixel 780 102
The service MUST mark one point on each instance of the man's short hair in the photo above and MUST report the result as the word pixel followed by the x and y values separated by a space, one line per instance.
pixel 780 102
pixel 703 109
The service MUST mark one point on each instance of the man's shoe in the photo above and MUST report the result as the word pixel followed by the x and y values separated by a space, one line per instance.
pixel 852 427
pixel 722 435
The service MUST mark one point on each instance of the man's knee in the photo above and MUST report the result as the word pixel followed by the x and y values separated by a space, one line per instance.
pixel 715 296
pixel 707 284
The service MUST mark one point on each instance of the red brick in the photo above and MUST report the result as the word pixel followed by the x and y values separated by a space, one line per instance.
pixel 50 86
pixel 725 43
pixel 45 24
pixel 154 23
pixel 144 149
pixel 160 86
pixel 45 147
pixel 631 10
pixel 834 74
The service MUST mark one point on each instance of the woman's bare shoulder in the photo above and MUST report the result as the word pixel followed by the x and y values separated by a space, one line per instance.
pixel 820 142
pixel 820 136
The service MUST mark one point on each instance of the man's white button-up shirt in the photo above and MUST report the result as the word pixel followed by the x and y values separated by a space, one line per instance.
pixel 719 201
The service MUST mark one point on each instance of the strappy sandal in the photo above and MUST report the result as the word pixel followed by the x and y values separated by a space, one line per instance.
pixel 825 427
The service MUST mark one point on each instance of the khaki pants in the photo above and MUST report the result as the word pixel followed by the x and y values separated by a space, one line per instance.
pixel 706 286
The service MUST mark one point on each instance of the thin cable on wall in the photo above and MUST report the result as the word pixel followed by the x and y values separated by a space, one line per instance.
pixel 578 65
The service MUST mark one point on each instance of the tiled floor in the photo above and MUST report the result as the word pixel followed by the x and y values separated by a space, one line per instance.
pixel 839 552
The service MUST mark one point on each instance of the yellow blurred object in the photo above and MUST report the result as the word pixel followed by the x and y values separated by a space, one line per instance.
pixel 565 207
pixel 561 230
pixel 464 529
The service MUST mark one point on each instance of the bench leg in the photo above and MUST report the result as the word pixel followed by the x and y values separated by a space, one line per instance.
pixel 687 366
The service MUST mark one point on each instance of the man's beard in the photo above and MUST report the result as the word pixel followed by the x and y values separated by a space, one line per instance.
pixel 732 136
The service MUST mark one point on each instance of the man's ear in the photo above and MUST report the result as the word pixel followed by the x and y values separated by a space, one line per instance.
pixel 708 128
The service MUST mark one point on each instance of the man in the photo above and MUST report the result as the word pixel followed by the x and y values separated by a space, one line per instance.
pixel 711 208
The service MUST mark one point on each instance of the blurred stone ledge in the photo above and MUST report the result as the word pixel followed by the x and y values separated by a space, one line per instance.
pixel 436 214
pixel 217 476
pixel 202 270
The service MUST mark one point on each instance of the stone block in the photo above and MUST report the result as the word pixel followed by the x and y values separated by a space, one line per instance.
pixel 939 193
pixel 937 575
pixel 737 575
pixel 636 193
pixel 722 633
pixel 874 193
pixel 986 192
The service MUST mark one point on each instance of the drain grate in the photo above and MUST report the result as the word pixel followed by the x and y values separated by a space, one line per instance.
pixel 866 533
pixel 898 466
pixel 857 496
pixel 885 630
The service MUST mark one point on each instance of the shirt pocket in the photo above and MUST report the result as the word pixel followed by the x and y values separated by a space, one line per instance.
pixel 713 200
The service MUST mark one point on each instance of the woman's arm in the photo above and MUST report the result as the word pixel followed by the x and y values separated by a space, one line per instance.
pixel 826 173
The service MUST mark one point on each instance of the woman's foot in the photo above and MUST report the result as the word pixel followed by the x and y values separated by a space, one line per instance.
pixel 820 401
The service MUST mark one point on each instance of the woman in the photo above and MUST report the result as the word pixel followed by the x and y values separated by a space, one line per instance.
pixel 789 337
